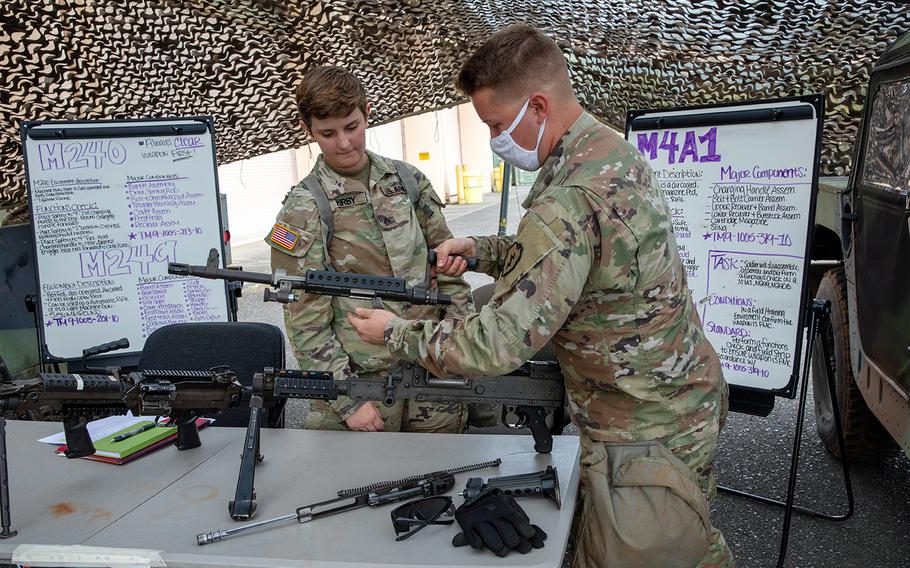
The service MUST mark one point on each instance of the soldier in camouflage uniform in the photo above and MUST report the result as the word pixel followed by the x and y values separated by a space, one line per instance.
pixel 594 269
pixel 378 216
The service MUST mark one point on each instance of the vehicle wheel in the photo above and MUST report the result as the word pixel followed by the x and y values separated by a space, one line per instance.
pixel 864 436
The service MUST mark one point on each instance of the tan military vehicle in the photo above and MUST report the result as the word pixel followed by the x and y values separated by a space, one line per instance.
pixel 863 232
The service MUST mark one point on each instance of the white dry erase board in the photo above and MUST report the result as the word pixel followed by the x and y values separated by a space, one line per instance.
pixel 741 181
pixel 112 202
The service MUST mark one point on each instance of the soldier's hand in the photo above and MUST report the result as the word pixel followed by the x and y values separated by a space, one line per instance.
pixel 450 256
pixel 366 419
pixel 370 324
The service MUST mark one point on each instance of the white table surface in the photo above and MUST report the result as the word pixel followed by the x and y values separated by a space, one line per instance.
pixel 161 501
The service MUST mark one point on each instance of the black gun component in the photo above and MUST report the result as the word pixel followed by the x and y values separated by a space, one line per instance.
pixel 544 483
pixel 435 484
pixel 326 282
pixel 312 385
pixel 76 399
pixel 528 395
pixel 472 261
pixel 385 484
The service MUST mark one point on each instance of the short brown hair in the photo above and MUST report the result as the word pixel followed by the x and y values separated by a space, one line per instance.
pixel 329 92
pixel 512 62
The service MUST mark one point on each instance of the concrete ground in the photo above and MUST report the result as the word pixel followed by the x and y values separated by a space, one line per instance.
pixel 753 454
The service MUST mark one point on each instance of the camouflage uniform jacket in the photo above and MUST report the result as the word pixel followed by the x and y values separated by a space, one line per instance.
pixel 594 269
pixel 377 231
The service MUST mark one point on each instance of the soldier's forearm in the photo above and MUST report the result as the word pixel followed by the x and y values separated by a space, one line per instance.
pixel 472 347
pixel 462 300
pixel 491 252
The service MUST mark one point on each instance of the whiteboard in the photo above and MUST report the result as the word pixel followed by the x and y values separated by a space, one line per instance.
pixel 740 181
pixel 112 202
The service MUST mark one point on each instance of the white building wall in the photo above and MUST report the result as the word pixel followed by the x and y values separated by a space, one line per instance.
pixel 475 145
pixel 386 140
pixel 435 142
pixel 254 190
pixel 432 143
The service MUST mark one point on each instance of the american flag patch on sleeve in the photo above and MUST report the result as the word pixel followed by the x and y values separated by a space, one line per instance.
pixel 284 237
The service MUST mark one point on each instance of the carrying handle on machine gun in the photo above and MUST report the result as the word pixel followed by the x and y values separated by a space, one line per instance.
pixel 471 260
pixel 431 263
pixel 121 343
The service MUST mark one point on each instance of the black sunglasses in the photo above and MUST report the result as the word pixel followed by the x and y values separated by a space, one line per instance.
pixel 422 512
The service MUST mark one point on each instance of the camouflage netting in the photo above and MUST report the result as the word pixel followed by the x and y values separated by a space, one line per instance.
pixel 238 60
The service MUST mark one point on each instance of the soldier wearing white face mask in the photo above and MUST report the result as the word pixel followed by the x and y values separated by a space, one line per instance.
pixel 594 270
pixel 505 147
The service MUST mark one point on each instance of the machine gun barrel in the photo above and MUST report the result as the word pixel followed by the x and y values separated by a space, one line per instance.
pixel 216 273
pixel 326 282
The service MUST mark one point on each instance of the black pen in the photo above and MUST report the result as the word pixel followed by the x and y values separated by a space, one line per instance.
pixel 132 433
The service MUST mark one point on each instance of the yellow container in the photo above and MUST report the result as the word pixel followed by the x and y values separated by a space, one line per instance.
pixel 497 177
pixel 459 183
pixel 473 187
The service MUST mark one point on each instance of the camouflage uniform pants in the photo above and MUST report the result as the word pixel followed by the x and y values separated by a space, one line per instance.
pixel 646 504
pixel 403 416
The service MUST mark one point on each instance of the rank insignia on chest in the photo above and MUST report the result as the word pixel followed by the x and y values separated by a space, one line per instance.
pixel 393 190
pixel 284 237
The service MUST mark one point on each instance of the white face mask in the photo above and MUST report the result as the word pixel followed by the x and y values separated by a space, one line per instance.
pixel 506 148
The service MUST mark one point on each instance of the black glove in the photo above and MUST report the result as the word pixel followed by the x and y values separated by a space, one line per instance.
pixel 495 520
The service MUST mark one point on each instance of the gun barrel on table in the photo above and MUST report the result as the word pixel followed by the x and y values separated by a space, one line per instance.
pixel 435 483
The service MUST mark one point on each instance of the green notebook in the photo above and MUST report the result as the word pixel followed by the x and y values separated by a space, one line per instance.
pixel 109 448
